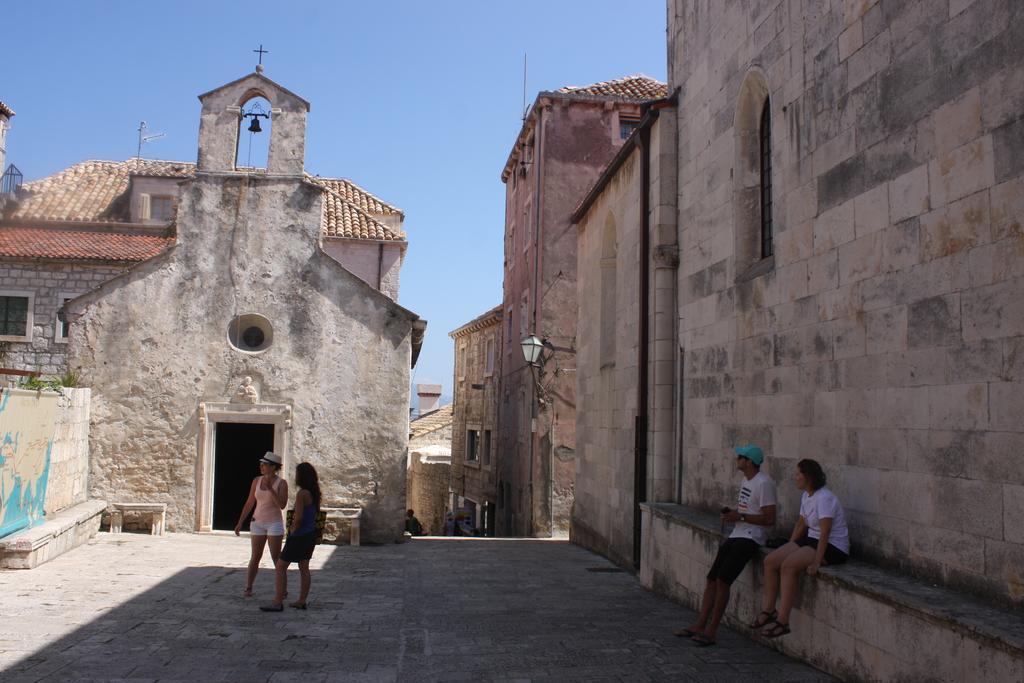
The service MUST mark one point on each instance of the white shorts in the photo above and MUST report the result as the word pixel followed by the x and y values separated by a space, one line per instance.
pixel 268 529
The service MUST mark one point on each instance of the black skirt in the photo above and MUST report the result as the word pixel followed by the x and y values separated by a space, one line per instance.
pixel 299 548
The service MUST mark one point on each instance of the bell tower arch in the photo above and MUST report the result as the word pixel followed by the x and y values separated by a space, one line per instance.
pixel 221 116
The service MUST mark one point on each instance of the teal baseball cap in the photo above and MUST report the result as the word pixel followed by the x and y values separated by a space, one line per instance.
pixel 750 452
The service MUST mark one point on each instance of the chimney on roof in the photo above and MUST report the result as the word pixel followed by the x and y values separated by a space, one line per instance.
pixel 430 397
pixel 15 178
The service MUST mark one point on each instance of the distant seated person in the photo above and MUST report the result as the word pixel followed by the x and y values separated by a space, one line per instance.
pixel 819 538
pixel 412 525
pixel 753 517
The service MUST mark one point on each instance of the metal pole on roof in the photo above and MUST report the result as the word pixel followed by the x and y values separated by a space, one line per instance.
pixel 524 87
pixel 143 138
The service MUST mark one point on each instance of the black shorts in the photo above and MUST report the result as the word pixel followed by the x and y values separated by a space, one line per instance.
pixel 732 557
pixel 299 548
pixel 833 555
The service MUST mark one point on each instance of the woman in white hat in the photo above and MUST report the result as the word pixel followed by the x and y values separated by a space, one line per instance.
pixel 268 495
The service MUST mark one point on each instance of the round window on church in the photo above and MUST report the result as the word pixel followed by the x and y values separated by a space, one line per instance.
pixel 251 333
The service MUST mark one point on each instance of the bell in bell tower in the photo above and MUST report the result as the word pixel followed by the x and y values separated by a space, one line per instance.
pixel 252 125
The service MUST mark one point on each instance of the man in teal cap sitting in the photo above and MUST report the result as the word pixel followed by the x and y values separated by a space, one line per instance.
pixel 753 516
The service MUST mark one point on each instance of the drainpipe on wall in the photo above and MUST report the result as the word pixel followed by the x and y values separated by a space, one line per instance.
pixel 380 267
pixel 640 427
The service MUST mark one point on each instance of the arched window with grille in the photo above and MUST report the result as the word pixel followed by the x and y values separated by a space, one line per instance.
pixel 765 135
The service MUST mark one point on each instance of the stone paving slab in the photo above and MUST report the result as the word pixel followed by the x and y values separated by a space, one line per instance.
pixel 141 608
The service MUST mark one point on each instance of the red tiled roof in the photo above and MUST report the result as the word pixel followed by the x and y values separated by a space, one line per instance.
pixel 96 192
pixel 53 243
pixel 638 87
pixel 90 191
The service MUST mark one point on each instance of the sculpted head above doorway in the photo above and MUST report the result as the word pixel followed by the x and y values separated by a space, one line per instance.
pixel 246 392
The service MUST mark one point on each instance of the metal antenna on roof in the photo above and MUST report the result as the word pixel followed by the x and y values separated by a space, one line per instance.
pixel 524 87
pixel 143 138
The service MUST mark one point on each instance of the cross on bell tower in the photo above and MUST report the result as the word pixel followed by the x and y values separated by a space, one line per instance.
pixel 259 65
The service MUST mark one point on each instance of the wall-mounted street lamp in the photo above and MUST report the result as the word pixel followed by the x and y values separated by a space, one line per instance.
pixel 533 350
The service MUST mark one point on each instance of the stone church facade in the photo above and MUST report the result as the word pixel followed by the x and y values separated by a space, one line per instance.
pixel 249 331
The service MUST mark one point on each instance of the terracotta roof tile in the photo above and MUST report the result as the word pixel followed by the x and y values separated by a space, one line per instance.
pixel 431 422
pixel 92 191
pixel 351 192
pixel 637 87
pixel 342 217
pixel 53 243
pixel 5 110
pixel 96 191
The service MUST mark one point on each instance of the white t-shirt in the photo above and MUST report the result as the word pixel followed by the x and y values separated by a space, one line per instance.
pixel 756 493
pixel 824 505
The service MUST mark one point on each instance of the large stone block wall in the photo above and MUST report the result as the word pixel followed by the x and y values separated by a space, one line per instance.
pixel 49 282
pixel 429 482
pixel 69 455
pixel 885 340
pixel 853 621
pixel 608 250
pixel 153 346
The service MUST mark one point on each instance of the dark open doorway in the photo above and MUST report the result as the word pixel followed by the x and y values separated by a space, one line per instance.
pixel 238 448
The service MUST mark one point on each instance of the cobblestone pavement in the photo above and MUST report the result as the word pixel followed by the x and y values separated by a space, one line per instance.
pixel 138 608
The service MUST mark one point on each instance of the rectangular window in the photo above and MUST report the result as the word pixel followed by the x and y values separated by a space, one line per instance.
pixel 489 357
pixel 524 314
pixel 627 126
pixel 472 445
pixel 61 332
pixel 16 316
pixel 161 208
pixel 508 330
pixel 486 448
pixel 461 363
pixel 527 236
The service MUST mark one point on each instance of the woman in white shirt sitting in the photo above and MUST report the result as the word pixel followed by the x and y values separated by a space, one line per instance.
pixel 819 538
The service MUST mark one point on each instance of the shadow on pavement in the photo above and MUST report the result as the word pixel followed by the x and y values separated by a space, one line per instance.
pixel 429 609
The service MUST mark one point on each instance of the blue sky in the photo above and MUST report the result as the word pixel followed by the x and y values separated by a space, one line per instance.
pixel 418 102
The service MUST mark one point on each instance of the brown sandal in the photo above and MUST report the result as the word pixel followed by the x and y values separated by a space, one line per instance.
pixel 775 629
pixel 758 622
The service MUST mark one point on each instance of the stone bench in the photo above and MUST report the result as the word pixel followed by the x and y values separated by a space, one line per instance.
pixel 157 516
pixel 857 621
pixel 337 516
pixel 67 529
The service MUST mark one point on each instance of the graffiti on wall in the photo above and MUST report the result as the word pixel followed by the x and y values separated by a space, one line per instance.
pixel 27 421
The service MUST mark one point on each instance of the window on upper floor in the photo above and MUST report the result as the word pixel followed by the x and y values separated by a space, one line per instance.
pixel 489 357
pixel 60 334
pixel 16 316
pixel 461 362
pixel 161 208
pixel 765 136
pixel 627 126
pixel 485 448
pixel 472 445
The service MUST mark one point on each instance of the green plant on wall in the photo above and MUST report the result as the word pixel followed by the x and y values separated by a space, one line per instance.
pixel 69 379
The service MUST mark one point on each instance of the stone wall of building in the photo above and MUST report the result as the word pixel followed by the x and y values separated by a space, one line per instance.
pixel 376 263
pixel 429 493
pixel 608 296
pixel 50 283
pixel 566 144
pixel 153 344
pixel 69 455
pixel 884 337
pixel 477 373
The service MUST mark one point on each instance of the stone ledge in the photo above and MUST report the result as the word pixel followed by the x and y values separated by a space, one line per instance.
pixel 66 530
pixel 992 629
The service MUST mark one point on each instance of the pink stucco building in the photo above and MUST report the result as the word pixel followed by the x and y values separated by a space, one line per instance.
pixel 568 136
